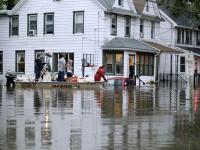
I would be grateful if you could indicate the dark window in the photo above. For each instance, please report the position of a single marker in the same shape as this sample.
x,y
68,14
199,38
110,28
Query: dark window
x,y
20,61
127,26
152,29
78,26
120,2
145,64
187,41
190,42
141,26
113,63
49,23
32,25
182,64
14,30
114,24
198,37
1,62
179,36
183,37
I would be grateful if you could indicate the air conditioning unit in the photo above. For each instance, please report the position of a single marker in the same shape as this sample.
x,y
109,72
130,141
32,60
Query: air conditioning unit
x,y
32,32
141,35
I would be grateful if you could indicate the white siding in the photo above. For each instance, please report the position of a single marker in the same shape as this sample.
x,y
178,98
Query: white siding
x,y
63,39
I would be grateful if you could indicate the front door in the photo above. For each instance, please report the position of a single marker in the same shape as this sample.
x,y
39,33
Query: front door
x,y
131,65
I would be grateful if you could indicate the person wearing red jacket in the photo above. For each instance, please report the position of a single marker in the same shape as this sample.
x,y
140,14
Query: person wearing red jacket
x,y
100,73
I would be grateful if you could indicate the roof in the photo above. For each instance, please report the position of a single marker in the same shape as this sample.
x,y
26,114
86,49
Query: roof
x,y
119,43
139,5
107,3
163,48
194,50
182,20
122,11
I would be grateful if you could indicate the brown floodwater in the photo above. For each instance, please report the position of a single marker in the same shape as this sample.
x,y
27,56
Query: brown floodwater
x,y
159,117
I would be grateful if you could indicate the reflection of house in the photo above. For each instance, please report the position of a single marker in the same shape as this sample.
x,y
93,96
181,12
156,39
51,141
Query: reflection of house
x,y
183,33
70,27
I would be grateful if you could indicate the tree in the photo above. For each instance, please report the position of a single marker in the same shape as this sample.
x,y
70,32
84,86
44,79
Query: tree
x,y
7,4
179,7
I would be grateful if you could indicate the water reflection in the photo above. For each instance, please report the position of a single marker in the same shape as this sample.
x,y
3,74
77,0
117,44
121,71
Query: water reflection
x,y
161,117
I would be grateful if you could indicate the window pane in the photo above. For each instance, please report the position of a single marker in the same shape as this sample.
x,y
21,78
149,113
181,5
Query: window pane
x,y
79,18
49,23
20,62
79,22
109,60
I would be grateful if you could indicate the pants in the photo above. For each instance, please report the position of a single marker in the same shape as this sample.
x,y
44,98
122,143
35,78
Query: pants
x,y
69,74
61,75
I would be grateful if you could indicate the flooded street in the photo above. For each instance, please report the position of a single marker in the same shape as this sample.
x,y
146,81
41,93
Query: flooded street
x,y
141,118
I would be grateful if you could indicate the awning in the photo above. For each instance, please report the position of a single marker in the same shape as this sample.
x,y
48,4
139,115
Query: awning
x,y
164,48
119,43
194,50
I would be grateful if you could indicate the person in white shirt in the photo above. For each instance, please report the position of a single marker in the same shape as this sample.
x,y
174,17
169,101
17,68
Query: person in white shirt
x,y
61,68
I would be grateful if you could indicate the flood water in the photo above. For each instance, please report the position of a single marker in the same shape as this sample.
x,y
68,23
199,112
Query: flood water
x,y
141,118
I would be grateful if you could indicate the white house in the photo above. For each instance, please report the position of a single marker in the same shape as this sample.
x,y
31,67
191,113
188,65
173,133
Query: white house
x,y
90,32
184,34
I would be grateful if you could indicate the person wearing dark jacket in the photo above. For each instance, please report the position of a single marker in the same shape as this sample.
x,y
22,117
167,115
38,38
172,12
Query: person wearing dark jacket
x,y
38,67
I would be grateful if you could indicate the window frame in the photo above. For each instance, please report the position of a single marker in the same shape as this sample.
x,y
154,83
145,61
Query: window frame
x,y
29,24
12,26
145,63
48,24
141,26
127,26
113,17
75,31
56,56
121,3
182,70
152,29
113,64
198,38
17,67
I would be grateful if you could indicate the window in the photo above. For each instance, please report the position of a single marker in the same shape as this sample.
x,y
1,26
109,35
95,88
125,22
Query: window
x,y
183,37
152,29
49,23
145,64
182,64
179,36
14,25
57,56
198,37
127,26
113,24
78,26
121,2
147,6
20,61
187,37
113,63
1,62
32,25
141,28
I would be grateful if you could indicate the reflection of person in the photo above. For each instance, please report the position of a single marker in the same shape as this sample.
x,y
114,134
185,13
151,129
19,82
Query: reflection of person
x,y
69,68
100,73
61,68
38,66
